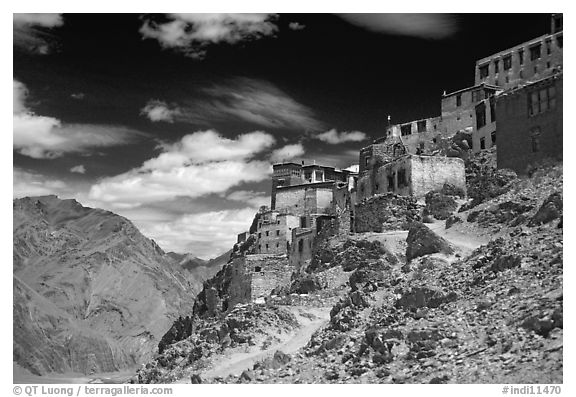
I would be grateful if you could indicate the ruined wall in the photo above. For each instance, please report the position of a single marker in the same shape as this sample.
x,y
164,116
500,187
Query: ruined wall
x,y
432,172
394,177
523,139
268,272
423,133
523,68
301,250
386,212
332,278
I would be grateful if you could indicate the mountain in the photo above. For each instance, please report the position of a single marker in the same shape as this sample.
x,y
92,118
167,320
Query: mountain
x,y
199,270
91,293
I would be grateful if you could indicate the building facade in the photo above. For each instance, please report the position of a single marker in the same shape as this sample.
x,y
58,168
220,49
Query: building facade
x,y
530,124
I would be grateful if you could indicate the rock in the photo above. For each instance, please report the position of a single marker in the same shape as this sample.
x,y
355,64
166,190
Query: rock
x,y
305,285
419,297
550,209
439,205
195,379
506,262
247,375
331,375
452,220
422,241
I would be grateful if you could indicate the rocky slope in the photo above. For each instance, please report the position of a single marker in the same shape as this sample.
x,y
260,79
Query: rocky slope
x,y
91,293
472,296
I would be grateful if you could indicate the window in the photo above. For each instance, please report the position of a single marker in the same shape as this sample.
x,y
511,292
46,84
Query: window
x,y
277,245
535,141
319,175
376,187
507,62
266,247
535,52
521,74
483,71
521,56
547,65
559,41
406,129
421,126
390,183
259,235
277,232
496,62
480,115
493,137
300,245
492,110
482,143
459,100
267,233
402,178
542,100
548,46
367,161
476,95
303,221
258,269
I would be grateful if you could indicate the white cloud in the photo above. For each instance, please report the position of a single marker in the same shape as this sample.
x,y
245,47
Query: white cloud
x,y
25,183
47,137
205,235
287,152
31,32
197,165
252,100
257,199
192,33
78,95
334,137
79,169
296,26
428,26
157,110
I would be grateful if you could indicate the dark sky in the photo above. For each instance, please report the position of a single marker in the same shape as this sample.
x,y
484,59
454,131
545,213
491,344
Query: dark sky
x,y
83,83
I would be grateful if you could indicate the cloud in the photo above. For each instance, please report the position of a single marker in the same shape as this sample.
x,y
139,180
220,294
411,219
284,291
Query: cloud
x,y
44,137
287,152
334,137
79,169
199,164
256,199
205,235
191,34
255,101
156,110
27,183
427,26
78,95
296,26
31,32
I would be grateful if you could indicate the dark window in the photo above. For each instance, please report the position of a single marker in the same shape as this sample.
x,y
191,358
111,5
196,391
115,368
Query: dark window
x,y
476,95
483,71
402,178
492,110
459,100
482,143
496,62
303,222
507,79
267,233
548,46
547,65
277,232
542,100
367,161
258,269
421,126
300,245
521,74
493,137
319,175
277,245
480,115
507,62
376,187
559,41
406,129
535,52
390,183
521,56
535,143
266,247
259,235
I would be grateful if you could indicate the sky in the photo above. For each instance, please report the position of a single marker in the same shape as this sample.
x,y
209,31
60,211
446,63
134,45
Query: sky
x,y
174,120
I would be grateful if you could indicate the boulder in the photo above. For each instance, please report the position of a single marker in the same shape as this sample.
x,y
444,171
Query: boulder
x,y
550,209
423,241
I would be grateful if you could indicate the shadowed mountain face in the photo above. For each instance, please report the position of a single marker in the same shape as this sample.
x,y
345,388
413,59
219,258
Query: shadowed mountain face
x,y
91,293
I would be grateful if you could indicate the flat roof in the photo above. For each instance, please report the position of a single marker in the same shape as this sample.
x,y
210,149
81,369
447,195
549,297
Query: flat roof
x,y
485,85
516,47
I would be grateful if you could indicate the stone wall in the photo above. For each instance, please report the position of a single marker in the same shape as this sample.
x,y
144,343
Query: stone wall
x,y
268,272
301,251
524,139
305,199
274,234
386,212
432,172
332,278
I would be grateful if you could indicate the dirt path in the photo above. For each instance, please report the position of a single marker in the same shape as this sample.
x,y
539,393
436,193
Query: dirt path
x,y
310,319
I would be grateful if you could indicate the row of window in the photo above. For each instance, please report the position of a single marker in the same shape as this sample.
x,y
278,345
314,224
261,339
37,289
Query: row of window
x,y
535,54
483,140
542,100
268,233
406,129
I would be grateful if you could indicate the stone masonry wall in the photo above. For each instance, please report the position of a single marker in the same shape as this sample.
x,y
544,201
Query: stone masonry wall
x,y
268,272
386,212
432,172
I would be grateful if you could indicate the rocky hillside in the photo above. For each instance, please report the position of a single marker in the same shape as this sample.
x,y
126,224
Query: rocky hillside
x,y
473,295
91,293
